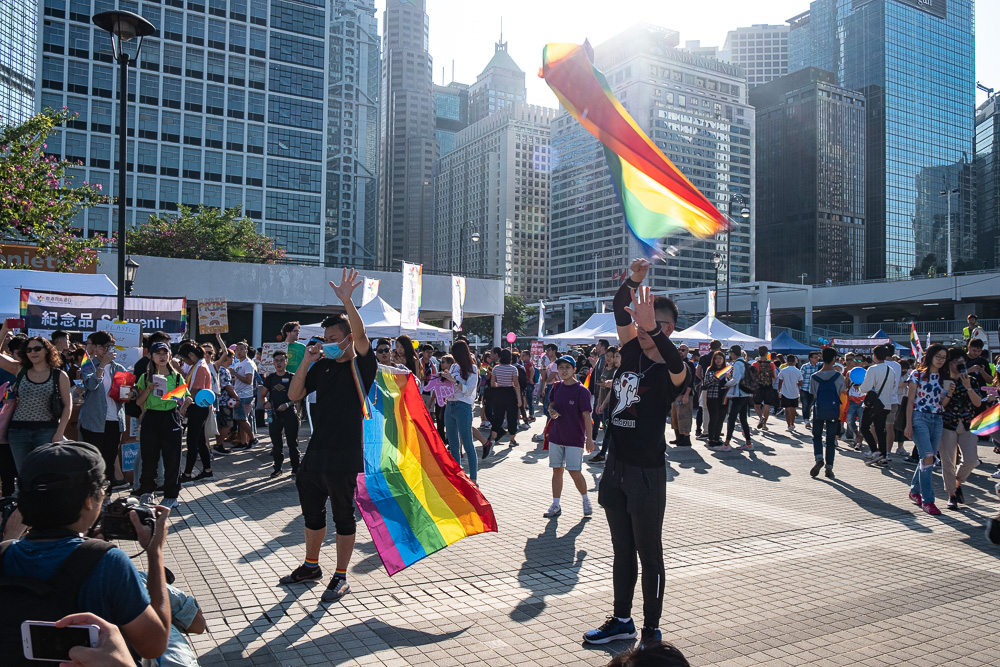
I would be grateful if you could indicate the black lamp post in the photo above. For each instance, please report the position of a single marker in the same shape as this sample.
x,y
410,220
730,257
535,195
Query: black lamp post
x,y
123,27
737,200
461,245
131,268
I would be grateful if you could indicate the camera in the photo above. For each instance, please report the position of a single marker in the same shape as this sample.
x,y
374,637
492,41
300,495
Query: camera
x,y
115,523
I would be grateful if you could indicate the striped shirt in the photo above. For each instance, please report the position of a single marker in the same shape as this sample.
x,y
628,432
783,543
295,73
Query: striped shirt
x,y
505,375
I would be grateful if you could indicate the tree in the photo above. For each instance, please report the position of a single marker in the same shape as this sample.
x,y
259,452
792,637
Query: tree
x,y
37,200
515,313
208,233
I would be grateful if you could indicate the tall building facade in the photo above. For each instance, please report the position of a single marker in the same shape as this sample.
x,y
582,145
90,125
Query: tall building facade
x,y
695,110
18,58
761,50
268,106
987,165
810,186
451,114
409,147
914,60
496,184
500,84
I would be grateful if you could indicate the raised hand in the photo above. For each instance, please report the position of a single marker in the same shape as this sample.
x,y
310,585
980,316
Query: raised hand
x,y
639,267
347,285
641,309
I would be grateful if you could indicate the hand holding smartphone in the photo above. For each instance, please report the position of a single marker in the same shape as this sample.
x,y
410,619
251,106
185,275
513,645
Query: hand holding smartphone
x,y
42,640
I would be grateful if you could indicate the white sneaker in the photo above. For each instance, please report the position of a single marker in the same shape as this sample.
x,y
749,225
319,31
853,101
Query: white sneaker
x,y
553,511
996,475
588,509
538,438
147,499
170,503
873,459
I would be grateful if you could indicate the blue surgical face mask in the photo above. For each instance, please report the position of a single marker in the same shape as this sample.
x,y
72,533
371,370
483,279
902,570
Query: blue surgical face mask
x,y
332,350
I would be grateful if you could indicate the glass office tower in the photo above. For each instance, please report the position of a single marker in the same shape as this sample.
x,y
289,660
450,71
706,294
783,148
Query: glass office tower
x,y
18,55
988,183
272,106
914,60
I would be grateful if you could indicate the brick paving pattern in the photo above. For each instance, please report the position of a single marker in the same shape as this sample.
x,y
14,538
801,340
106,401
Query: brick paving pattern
x,y
765,566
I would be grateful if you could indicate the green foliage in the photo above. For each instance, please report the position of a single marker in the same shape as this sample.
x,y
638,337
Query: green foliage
x,y
515,314
208,233
37,201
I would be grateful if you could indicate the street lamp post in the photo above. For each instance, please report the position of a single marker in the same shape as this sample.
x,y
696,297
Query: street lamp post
x,y
948,193
738,200
123,27
717,261
461,245
131,268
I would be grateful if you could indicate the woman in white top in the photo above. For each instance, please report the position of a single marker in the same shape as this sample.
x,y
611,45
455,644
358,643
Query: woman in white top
x,y
458,409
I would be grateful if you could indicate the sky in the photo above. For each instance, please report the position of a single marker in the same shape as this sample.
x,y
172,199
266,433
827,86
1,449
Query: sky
x,y
466,30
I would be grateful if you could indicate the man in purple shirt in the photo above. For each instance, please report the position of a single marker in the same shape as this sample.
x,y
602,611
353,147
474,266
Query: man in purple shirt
x,y
571,429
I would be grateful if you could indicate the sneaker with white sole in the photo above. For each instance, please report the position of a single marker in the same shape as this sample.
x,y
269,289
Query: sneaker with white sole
x,y
337,588
553,511
588,509
147,499
611,630
996,475
874,459
538,438
170,503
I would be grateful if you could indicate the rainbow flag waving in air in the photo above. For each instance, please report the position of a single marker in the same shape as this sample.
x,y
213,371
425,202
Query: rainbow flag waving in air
x,y
722,372
986,423
414,497
656,197
916,349
177,393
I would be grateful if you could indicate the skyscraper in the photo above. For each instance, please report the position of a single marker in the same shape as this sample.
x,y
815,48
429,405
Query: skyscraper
x,y
695,110
914,60
810,187
451,112
496,184
200,96
408,144
18,55
987,164
761,50
501,83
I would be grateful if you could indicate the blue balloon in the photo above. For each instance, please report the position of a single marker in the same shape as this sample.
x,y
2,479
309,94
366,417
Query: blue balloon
x,y
204,398
857,375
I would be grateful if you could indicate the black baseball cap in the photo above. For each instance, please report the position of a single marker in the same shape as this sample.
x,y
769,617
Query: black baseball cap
x,y
61,464
157,346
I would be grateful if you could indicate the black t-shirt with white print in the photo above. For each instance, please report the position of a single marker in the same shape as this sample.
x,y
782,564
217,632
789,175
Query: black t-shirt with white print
x,y
642,394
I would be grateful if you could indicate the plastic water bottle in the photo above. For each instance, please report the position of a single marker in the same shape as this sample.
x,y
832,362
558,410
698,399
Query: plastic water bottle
x,y
269,414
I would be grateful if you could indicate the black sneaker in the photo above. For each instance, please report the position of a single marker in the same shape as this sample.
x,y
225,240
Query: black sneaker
x,y
816,468
829,473
960,495
650,636
276,473
993,531
952,503
597,458
204,474
219,449
337,589
302,573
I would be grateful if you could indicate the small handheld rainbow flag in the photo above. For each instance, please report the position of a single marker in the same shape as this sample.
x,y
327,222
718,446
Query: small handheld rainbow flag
x,y
721,373
657,199
177,393
586,383
413,496
986,423
87,364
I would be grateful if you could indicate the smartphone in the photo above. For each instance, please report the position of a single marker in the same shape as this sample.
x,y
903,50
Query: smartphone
x,y
962,369
44,641
314,340
14,323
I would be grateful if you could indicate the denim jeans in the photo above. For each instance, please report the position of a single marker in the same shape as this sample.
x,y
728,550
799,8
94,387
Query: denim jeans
x,y
529,395
458,424
807,404
24,440
854,411
831,440
927,427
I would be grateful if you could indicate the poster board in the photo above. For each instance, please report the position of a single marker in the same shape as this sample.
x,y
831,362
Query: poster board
x,y
213,316
128,340
265,364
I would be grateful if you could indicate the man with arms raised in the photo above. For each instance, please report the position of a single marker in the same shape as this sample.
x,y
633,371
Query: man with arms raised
x,y
633,488
341,371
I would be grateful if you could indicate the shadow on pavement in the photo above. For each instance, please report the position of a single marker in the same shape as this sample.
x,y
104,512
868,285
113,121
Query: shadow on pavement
x,y
875,505
551,567
753,465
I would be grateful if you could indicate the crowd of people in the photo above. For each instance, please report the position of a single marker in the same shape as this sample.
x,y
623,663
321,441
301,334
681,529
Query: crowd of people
x,y
612,402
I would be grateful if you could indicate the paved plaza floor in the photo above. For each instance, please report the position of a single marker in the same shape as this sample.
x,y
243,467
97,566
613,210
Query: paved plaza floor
x,y
765,566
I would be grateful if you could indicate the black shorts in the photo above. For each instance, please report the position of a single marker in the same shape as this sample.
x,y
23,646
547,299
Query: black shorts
x,y
789,402
316,487
766,396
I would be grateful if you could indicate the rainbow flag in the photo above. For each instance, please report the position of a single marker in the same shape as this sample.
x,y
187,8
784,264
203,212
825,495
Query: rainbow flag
x,y
414,497
87,364
657,199
177,393
722,373
986,423
915,348
586,383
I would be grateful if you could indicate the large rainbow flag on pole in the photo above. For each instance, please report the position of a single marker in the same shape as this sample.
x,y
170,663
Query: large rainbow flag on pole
x,y
656,197
414,497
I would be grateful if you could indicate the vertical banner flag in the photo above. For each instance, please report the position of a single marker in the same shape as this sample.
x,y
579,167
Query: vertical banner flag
x,y
370,291
541,319
457,301
711,307
916,349
414,498
409,312
767,321
928,340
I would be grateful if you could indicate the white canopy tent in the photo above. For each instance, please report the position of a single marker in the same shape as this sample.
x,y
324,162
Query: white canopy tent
x,y
13,280
706,330
599,325
380,320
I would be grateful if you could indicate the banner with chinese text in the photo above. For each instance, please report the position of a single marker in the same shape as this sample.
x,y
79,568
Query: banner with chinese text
x,y
45,312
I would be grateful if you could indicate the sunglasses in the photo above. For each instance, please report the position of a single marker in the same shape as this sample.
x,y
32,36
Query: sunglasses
x,y
382,350
34,349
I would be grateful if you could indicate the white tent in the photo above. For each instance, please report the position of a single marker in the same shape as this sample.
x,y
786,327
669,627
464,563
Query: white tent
x,y
707,331
13,280
380,320
599,325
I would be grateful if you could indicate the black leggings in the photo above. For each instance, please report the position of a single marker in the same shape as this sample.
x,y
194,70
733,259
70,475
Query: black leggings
x,y
716,415
738,408
8,471
107,442
287,423
196,441
160,435
504,405
871,416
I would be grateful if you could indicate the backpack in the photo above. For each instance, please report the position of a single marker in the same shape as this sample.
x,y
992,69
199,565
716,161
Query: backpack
x,y
522,376
827,402
26,598
765,374
750,382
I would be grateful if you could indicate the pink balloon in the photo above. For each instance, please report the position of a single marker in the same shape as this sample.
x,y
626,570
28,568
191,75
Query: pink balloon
x,y
511,337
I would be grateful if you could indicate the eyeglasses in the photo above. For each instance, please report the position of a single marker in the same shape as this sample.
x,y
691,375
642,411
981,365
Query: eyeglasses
x,y
34,349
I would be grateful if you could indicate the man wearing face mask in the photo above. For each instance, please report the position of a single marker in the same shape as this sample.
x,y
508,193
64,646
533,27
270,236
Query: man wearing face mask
x,y
340,371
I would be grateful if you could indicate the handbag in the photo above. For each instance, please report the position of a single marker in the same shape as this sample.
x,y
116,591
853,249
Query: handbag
x,y
211,425
7,409
872,400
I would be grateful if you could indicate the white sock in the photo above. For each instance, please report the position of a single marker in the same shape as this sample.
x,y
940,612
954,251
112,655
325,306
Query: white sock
x,y
624,620
555,501
586,497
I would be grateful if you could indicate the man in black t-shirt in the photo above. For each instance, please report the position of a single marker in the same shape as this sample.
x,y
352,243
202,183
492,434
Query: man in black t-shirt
x,y
283,417
340,371
633,489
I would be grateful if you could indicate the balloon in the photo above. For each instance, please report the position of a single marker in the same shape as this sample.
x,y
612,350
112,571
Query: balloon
x,y
857,375
511,337
204,398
